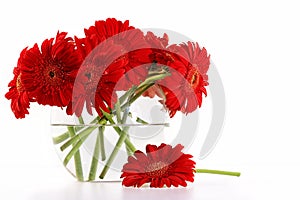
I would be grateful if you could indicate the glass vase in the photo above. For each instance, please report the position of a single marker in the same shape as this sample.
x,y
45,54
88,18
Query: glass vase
x,y
93,149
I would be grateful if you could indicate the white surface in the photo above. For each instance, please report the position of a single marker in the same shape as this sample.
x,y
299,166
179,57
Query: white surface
x,y
255,46
257,182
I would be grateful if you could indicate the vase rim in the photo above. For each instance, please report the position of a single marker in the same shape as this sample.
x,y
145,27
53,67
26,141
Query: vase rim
x,y
111,125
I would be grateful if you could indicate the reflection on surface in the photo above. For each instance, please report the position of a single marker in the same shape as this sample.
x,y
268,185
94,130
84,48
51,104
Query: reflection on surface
x,y
56,184
112,190
216,188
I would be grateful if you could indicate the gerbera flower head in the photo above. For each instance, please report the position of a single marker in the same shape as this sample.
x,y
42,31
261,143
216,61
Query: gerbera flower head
x,y
104,29
96,79
161,165
134,47
101,31
197,57
48,73
158,46
185,89
159,56
20,100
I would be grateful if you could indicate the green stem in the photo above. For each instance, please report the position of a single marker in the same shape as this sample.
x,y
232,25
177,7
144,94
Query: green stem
x,y
83,133
129,152
74,150
61,138
118,111
149,82
78,128
119,131
127,142
123,98
113,154
80,119
101,138
140,92
65,136
95,159
76,138
76,141
136,96
117,147
77,158
209,171
154,77
139,120
119,120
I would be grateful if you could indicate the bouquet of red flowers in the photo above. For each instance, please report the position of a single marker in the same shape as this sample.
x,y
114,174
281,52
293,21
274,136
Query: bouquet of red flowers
x,y
102,75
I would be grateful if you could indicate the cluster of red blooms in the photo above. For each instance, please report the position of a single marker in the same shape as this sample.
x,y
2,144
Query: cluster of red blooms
x,y
77,72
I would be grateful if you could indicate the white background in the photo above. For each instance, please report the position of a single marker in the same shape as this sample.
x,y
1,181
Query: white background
x,y
255,46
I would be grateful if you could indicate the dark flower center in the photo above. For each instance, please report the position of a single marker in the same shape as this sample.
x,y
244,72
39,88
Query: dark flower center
x,y
91,80
88,75
157,169
51,74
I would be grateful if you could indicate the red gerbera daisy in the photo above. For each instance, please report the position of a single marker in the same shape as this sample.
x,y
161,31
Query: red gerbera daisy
x,y
158,46
48,74
96,79
184,93
129,38
17,94
162,165
101,31
108,28
160,56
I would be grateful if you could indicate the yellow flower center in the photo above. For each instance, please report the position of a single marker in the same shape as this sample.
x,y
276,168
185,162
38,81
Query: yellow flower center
x,y
193,78
157,169
19,84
